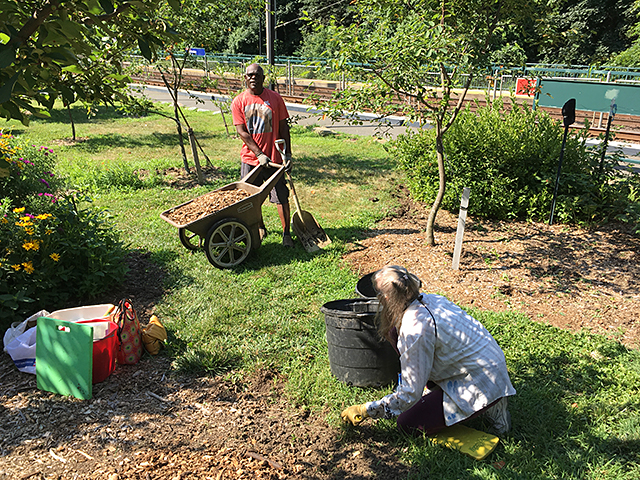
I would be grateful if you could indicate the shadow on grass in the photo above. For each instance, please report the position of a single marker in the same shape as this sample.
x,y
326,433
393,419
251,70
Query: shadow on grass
x,y
151,140
198,361
340,169
79,113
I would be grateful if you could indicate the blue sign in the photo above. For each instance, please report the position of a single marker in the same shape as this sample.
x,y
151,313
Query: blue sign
x,y
197,51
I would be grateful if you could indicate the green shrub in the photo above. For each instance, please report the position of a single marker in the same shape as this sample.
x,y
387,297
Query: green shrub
x,y
509,160
51,251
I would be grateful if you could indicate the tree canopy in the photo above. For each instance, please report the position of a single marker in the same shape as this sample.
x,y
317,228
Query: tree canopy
x,y
43,44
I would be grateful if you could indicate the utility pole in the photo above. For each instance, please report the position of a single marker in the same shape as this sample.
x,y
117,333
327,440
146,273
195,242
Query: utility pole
x,y
271,31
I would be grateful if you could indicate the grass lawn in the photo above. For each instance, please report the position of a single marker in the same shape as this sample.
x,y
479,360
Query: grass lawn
x,y
577,411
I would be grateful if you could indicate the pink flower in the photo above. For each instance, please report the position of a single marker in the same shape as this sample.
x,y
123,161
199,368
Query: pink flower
x,y
53,198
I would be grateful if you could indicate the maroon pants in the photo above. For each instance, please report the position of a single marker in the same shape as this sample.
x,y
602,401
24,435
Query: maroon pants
x,y
427,416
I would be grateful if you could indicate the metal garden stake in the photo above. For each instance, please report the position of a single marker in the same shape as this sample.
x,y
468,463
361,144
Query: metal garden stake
x,y
568,117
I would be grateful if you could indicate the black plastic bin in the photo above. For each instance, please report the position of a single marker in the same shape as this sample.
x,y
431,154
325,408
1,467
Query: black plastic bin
x,y
356,355
364,287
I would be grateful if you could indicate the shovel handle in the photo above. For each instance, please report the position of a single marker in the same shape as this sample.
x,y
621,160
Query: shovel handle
x,y
281,146
296,202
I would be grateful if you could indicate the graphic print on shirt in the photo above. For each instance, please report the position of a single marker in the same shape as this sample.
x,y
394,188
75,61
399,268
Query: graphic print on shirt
x,y
259,118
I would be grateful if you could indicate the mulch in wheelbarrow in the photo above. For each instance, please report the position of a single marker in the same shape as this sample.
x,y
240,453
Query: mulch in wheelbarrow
x,y
206,205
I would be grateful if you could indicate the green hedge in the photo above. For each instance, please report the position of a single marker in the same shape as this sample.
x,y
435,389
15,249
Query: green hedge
x,y
508,157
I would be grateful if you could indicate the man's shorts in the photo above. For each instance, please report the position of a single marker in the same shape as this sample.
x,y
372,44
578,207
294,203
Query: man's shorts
x,y
279,193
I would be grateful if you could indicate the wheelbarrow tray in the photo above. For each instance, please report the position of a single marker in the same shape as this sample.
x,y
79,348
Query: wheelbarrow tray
x,y
247,209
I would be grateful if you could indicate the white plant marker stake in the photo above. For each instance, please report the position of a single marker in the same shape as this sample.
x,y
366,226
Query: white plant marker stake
x,y
464,204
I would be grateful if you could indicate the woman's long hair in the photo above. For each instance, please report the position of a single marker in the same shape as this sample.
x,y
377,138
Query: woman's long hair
x,y
396,289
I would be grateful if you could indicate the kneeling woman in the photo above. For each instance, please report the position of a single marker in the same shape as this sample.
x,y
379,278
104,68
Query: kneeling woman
x,y
452,369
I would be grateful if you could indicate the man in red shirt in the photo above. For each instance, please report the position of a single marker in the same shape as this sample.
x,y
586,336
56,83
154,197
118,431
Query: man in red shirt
x,y
260,117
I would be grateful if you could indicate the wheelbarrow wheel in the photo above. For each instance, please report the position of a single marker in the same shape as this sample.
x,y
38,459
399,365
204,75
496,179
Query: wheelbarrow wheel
x,y
228,243
190,240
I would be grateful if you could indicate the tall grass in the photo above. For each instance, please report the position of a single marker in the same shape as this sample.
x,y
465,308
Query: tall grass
x,y
576,411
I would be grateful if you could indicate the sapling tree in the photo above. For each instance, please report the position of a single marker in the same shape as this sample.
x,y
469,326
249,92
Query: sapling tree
x,y
418,57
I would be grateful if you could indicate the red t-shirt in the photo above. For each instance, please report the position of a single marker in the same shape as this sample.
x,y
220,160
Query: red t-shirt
x,y
261,114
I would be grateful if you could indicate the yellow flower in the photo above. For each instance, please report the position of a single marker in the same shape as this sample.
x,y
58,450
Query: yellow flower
x,y
34,245
28,267
18,210
4,220
55,257
48,232
15,267
44,216
30,231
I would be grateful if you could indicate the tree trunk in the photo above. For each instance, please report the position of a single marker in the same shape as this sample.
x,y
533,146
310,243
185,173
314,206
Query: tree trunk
x,y
431,219
73,124
180,137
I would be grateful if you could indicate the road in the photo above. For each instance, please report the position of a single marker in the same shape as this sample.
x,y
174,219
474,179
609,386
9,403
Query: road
x,y
306,115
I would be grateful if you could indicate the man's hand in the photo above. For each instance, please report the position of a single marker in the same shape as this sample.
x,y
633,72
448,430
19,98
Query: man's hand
x,y
356,414
263,160
287,163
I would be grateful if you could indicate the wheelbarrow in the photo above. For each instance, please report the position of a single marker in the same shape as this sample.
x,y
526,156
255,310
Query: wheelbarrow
x,y
229,234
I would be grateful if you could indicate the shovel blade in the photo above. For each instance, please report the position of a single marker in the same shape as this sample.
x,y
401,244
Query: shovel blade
x,y
309,232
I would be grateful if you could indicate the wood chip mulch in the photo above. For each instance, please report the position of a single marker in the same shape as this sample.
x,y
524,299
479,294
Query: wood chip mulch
x,y
206,205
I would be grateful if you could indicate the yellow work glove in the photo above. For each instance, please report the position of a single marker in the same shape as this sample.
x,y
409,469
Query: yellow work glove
x,y
356,414
154,335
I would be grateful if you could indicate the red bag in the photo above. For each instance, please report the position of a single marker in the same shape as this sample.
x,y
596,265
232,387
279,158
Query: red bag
x,y
129,333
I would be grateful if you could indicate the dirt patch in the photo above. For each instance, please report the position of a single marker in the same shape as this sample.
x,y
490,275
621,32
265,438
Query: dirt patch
x,y
179,178
67,142
565,276
144,422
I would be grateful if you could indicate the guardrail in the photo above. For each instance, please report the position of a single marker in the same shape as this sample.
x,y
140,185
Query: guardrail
x,y
298,81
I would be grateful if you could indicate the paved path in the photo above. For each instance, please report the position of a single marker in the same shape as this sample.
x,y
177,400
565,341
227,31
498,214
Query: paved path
x,y
307,115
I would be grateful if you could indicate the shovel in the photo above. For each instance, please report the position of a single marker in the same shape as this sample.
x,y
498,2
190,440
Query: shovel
x,y
306,228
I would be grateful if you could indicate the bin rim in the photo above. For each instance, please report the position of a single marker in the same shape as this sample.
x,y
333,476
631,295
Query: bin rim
x,y
349,301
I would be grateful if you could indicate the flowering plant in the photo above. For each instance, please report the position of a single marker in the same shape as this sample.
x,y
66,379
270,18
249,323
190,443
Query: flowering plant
x,y
27,171
28,255
51,251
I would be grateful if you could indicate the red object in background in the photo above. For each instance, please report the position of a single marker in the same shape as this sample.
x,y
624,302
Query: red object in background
x,y
526,86
105,349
